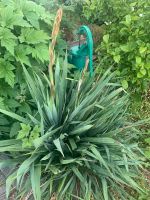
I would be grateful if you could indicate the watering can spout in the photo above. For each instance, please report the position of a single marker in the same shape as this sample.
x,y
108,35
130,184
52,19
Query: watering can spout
x,y
81,52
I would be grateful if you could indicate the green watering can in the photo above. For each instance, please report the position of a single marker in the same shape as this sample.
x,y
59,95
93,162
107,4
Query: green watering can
x,y
82,51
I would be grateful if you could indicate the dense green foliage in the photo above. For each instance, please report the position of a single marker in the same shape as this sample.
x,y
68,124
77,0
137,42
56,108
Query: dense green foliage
x,y
126,44
78,143
102,11
24,36
25,29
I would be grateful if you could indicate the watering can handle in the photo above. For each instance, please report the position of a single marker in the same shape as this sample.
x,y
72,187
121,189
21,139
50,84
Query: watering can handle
x,y
85,29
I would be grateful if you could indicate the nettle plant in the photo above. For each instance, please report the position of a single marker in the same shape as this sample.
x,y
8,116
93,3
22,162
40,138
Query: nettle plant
x,y
77,145
24,39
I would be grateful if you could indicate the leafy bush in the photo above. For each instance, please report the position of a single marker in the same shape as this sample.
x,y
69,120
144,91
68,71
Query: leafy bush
x,y
126,43
77,144
24,39
102,11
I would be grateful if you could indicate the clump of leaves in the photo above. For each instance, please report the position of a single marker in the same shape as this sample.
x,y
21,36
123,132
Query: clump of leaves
x,y
27,136
83,149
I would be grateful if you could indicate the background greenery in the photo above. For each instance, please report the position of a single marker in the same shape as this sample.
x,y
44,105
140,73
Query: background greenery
x,y
126,43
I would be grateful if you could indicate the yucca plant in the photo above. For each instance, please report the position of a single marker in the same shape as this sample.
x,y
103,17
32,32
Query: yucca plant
x,y
77,145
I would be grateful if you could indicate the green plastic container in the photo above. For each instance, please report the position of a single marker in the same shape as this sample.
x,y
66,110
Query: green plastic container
x,y
80,52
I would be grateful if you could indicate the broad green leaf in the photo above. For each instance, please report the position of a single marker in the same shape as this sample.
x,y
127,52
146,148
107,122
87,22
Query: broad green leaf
x,y
32,36
19,21
139,75
138,60
40,51
33,18
8,39
14,129
12,103
147,140
11,18
35,133
124,84
147,65
7,16
3,119
2,105
25,108
133,4
117,58
142,50
128,19
21,55
147,153
6,72
24,132
143,71
26,143
124,48
106,38
10,78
